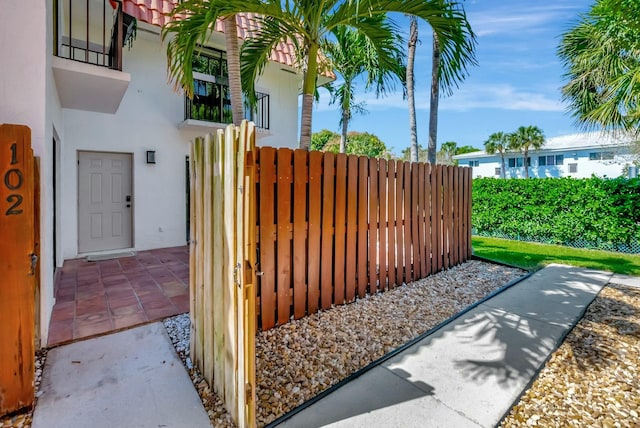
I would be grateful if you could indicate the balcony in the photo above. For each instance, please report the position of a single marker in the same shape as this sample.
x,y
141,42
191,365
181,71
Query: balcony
x,y
87,66
211,106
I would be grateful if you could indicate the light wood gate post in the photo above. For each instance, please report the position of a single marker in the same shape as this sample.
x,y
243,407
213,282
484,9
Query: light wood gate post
x,y
222,266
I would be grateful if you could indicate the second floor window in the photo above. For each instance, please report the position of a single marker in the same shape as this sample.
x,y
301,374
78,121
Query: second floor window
x,y
211,94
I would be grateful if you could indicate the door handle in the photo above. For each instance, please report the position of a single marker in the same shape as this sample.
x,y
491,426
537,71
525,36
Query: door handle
x,y
128,198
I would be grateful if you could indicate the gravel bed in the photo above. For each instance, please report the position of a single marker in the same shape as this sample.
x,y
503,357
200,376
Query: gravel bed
x,y
298,360
593,379
23,419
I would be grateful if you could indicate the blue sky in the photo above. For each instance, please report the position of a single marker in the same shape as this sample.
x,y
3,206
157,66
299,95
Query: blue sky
x,y
517,81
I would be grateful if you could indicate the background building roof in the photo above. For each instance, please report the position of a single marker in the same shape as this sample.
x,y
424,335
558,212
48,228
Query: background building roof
x,y
581,141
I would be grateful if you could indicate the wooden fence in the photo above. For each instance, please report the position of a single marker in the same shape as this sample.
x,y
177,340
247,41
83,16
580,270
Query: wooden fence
x,y
336,227
331,228
223,254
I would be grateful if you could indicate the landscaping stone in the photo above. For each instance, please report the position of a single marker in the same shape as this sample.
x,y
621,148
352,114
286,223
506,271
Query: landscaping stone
x,y
593,379
300,359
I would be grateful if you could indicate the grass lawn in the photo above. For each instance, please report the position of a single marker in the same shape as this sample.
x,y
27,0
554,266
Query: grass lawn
x,y
533,256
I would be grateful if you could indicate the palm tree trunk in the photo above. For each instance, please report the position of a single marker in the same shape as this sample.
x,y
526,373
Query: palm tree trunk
x,y
345,128
233,65
308,89
413,41
524,162
433,105
503,173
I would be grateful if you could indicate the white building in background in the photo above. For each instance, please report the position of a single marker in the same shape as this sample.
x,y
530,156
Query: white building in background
x,y
105,122
576,155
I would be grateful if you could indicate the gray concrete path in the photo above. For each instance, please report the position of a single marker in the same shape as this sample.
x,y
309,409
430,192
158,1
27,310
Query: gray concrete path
x,y
128,379
469,372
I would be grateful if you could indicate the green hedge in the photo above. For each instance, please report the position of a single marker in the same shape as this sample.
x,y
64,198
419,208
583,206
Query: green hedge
x,y
601,213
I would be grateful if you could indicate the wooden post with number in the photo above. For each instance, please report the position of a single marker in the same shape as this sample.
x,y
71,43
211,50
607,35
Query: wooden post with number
x,y
18,265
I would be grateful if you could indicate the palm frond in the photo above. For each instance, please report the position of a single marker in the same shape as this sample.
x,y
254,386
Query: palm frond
x,y
447,19
601,57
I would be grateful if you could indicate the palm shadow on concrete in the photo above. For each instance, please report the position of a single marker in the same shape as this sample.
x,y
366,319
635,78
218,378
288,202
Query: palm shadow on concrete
x,y
363,395
510,348
524,326
527,336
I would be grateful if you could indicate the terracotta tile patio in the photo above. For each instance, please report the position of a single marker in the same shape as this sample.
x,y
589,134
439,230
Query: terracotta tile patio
x,y
94,298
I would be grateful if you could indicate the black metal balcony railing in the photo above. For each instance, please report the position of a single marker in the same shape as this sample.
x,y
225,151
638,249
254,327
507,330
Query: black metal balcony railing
x,y
260,115
92,31
212,103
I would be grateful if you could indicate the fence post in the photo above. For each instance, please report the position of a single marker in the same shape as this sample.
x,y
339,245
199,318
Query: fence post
x,y
223,260
18,268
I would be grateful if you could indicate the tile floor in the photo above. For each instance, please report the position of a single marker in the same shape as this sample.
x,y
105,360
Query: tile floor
x,y
93,298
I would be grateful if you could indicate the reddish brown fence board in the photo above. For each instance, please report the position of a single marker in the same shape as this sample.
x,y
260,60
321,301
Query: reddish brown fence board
x,y
315,216
284,234
326,262
382,221
408,255
400,258
301,171
267,238
373,225
363,225
340,229
415,222
391,222
335,227
352,228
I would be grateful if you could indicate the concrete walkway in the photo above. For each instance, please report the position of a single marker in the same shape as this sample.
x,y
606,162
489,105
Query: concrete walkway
x,y
129,379
469,372
466,374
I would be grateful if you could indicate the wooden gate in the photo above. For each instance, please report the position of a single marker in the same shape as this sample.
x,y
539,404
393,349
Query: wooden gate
x,y
223,258
18,268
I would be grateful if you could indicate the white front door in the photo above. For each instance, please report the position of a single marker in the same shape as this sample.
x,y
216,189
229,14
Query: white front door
x,y
104,201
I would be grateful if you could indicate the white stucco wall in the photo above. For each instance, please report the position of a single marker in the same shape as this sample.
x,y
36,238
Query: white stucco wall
x,y
29,97
148,119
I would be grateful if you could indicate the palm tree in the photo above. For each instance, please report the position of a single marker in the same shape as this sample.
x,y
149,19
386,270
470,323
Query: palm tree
x,y
351,54
524,139
447,151
306,24
601,56
498,142
433,104
411,55
233,67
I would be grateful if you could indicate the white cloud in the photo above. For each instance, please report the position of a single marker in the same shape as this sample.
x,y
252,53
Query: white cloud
x,y
489,96
500,96
504,21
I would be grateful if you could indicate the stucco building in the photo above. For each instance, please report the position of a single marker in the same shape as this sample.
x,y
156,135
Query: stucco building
x,y
576,155
111,133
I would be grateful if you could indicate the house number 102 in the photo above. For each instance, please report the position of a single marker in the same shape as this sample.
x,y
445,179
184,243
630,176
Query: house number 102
x,y
13,180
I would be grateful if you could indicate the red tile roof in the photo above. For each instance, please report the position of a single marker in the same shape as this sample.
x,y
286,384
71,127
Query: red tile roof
x,y
155,12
